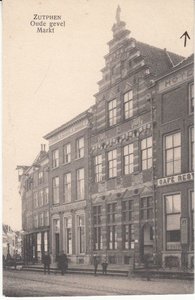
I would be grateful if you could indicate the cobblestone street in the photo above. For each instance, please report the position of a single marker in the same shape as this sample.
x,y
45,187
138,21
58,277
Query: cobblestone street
x,y
21,283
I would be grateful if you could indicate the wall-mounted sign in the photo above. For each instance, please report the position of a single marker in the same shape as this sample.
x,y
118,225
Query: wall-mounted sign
x,y
184,230
175,179
175,79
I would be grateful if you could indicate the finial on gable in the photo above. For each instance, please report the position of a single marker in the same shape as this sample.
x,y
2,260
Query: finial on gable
x,y
118,12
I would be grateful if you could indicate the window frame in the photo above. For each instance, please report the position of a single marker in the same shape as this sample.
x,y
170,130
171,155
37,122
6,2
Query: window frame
x,y
148,158
55,160
165,152
66,154
112,170
191,148
80,185
128,103
98,168
56,189
80,150
191,98
112,112
128,156
67,187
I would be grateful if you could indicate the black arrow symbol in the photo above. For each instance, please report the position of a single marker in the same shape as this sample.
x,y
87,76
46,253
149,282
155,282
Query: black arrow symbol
x,y
186,35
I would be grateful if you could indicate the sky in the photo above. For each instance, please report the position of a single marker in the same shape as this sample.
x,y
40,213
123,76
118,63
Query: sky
x,y
48,78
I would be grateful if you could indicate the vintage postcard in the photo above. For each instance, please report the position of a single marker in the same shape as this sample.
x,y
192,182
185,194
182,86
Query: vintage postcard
x,y
98,148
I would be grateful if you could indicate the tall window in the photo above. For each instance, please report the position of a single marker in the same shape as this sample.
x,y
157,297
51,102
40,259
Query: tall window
x,y
40,177
80,148
67,153
36,221
112,163
68,235
192,217
55,158
172,154
39,245
67,187
41,196
191,98
41,219
46,195
36,200
146,208
81,234
45,239
128,237
112,112
127,210
146,153
55,189
127,227
128,159
173,214
111,227
46,218
98,168
128,104
191,154
97,236
80,184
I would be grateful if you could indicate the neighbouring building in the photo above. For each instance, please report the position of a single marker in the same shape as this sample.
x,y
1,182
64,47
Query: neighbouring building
x,y
68,188
175,165
35,207
12,243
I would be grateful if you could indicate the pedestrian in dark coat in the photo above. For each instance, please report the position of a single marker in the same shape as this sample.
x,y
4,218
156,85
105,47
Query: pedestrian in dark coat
x,y
46,262
95,263
63,262
104,265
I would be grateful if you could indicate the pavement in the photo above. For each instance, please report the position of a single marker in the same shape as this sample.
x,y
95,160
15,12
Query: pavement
x,y
21,283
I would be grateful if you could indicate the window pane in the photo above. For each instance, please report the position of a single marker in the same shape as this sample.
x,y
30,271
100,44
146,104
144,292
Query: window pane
x,y
173,222
169,204
169,141
177,139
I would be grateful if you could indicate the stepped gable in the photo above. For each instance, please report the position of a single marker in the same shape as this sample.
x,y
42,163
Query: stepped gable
x,y
159,60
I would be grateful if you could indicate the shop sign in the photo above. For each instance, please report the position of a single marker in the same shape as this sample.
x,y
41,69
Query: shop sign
x,y
176,79
175,179
184,230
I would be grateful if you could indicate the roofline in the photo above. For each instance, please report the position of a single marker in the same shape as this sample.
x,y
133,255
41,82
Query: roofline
x,y
68,124
173,71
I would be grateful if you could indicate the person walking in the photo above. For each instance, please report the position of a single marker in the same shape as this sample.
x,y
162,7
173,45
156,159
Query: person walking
x,y
104,265
46,262
63,262
95,263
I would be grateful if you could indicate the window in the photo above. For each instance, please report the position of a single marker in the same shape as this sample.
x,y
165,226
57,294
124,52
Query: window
x,y
80,148
46,218
146,153
40,177
39,246
36,204
80,184
112,112
68,235
191,154
67,187
128,104
112,163
46,195
55,158
173,154
67,153
45,239
36,221
81,234
55,189
146,208
192,217
191,98
111,228
98,168
128,159
97,236
41,220
128,237
127,210
41,198
173,214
